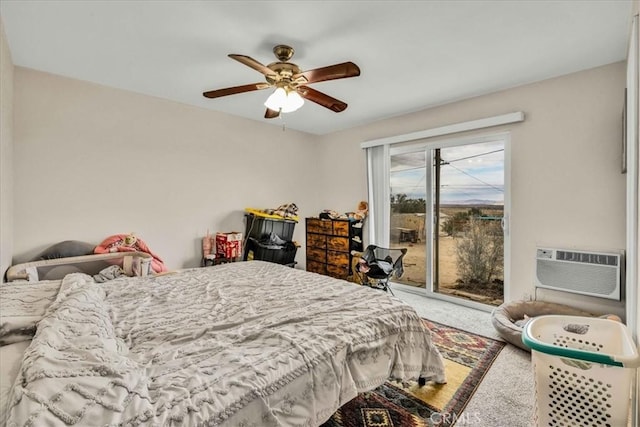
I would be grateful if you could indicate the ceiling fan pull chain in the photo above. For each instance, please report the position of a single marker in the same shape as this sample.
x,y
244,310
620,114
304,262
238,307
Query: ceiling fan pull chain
x,y
284,124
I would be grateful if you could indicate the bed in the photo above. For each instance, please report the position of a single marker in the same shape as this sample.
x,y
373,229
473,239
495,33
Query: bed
x,y
240,344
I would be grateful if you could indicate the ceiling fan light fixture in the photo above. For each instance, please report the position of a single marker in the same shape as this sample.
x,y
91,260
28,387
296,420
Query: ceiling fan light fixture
x,y
284,101
294,101
276,100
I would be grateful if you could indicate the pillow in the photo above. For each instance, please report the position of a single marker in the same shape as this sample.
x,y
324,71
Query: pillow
x,y
68,248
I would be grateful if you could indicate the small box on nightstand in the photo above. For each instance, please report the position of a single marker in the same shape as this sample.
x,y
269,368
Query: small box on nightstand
x,y
229,245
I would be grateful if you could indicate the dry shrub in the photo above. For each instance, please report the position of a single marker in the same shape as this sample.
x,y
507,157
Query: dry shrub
x,y
480,252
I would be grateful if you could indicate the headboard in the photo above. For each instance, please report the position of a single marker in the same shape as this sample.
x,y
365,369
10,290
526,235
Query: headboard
x,y
133,264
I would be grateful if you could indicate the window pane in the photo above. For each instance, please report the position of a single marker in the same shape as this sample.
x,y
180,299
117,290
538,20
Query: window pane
x,y
408,213
469,201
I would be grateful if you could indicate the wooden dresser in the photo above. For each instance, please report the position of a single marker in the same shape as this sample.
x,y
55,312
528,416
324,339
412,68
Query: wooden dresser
x,y
329,245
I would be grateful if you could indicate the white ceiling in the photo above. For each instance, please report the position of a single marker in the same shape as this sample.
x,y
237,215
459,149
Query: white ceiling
x,y
413,54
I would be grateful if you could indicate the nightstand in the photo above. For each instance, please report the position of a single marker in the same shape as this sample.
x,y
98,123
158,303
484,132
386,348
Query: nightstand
x,y
211,260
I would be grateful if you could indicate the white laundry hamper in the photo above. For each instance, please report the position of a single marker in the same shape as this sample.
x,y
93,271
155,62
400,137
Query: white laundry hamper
x,y
583,369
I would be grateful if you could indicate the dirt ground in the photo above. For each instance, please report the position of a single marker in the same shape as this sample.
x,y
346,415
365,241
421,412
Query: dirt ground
x,y
415,266
415,273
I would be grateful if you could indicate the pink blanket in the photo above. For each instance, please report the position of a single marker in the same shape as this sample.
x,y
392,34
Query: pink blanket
x,y
129,243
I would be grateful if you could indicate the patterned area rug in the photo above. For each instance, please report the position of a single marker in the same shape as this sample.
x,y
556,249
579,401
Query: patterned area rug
x,y
467,358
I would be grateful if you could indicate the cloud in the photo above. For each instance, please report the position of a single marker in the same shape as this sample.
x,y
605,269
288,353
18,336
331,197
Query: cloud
x,y
469,172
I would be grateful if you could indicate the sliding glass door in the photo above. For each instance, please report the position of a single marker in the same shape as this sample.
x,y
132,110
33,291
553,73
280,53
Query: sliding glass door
x,y
447,207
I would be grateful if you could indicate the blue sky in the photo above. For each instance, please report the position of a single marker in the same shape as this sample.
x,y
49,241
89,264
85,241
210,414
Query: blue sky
x,y
471,172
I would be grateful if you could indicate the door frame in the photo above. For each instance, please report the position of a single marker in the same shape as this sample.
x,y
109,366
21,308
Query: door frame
x,y
428,147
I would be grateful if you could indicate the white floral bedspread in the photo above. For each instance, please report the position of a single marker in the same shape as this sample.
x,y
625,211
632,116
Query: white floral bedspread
x,y
241,344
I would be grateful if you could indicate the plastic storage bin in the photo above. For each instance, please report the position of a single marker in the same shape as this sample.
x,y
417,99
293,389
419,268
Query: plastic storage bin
x,y
259,227
283,255
583,369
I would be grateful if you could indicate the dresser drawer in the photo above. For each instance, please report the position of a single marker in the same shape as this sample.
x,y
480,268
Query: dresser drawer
x,y
316,254
316,267
338,258
316,240
317,225
341,228
329,245
337,271
338,243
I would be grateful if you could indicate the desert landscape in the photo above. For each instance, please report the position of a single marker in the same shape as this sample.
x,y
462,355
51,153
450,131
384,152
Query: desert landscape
x,y
449,280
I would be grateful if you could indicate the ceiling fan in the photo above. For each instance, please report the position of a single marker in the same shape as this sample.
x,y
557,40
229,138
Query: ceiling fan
x,y
290,83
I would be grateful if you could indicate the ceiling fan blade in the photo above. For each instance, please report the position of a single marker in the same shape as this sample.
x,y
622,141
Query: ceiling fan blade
x,y
332,72
236,89
271,114
250,62
321,99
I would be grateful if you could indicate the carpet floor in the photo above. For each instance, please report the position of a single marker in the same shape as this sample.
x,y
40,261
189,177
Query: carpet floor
x,y
467,358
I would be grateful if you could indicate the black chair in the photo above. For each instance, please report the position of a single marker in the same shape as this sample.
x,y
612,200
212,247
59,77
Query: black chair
x,y
377,265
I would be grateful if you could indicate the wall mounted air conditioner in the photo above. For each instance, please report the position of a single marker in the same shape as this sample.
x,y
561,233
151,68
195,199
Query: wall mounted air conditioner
x,y
595,274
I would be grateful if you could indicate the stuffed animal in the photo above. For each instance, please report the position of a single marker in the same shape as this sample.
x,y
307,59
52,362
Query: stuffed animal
x,y
361,213
130,240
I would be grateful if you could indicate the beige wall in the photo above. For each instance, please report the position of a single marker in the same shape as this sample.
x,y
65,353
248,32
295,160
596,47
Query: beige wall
x,y
125,162
566,186
6,153
92,161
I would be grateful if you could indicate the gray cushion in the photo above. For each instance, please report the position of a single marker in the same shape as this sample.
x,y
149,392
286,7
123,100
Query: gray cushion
x,y
509,318
68,248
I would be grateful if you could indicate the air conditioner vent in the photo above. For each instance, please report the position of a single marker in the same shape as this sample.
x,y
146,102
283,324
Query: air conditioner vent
x,y
587,258
596,274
